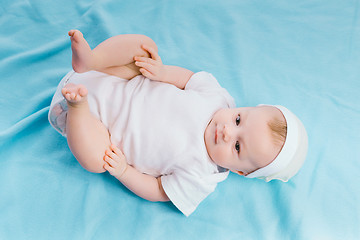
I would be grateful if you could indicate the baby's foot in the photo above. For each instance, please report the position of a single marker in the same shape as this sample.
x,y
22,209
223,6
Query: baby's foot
x,y
74,94
81,52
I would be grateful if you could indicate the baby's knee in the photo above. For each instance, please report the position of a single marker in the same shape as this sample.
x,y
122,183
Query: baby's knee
x,y
91,161
94,166
148,42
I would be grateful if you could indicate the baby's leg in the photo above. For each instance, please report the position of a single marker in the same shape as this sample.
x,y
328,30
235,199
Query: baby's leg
x,y
114,56
87,137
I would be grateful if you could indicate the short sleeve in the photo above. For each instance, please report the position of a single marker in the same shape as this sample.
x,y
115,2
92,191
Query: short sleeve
x,y
205,82
187,191
202,81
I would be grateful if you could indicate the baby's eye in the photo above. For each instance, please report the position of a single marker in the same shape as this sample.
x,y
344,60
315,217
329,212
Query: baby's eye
x,y
238,120
237,146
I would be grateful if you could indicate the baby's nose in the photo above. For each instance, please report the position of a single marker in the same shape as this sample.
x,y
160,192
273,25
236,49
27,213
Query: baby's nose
x,y
226,133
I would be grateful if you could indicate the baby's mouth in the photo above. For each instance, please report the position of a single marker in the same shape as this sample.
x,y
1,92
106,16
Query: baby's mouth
x,y
216,134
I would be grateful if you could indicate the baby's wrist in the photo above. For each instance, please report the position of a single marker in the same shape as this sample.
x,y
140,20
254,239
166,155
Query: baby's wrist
x,y
163,75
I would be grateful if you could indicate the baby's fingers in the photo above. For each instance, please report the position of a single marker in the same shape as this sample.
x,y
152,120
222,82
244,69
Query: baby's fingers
x,y
146,73
110,161
116,150
109,168
153,53
111,155
143,64
145,60
149,67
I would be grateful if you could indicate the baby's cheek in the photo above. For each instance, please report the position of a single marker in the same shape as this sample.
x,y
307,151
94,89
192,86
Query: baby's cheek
x,y
219,155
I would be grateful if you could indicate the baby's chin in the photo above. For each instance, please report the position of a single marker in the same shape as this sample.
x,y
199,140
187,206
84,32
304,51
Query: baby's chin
x,y
208,138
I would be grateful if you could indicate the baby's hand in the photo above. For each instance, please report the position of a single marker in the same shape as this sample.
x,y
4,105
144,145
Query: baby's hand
x,y
151,67
115,161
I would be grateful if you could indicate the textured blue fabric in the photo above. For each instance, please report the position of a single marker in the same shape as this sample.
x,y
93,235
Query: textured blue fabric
x,y
304,55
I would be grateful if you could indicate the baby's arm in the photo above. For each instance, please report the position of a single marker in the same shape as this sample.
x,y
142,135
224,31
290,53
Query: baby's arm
x,y
154,69
145,186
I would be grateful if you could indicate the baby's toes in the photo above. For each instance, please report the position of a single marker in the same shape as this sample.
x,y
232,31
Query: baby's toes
x,y
77,98
76,35
82,91
74,93
67,96
73,96
64,91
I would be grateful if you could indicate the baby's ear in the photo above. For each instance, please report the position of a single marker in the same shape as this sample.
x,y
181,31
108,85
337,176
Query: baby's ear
x,y
240,173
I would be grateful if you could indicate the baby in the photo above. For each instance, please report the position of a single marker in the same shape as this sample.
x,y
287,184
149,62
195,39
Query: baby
x,y
165,132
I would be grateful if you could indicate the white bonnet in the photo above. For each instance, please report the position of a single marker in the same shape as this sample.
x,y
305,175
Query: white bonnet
x,y
292,155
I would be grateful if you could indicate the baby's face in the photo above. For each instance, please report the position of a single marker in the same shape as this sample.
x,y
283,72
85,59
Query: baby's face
x,y
240,140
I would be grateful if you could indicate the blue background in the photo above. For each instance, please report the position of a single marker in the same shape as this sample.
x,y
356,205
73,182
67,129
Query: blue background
x,y
304,55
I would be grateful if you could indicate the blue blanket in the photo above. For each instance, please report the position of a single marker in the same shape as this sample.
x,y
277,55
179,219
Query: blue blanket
x,y
304,55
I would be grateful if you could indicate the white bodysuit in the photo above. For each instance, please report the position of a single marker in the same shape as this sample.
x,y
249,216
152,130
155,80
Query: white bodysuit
x,y
159,127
